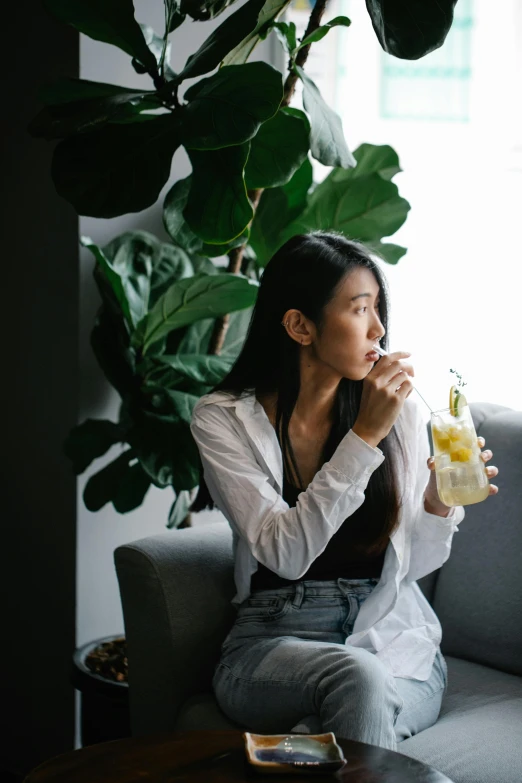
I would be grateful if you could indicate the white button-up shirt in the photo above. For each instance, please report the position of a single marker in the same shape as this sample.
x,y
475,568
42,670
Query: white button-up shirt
x,y
243,469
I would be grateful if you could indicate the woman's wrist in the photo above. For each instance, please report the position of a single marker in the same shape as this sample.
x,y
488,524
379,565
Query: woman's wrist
x,y
370,439
436,507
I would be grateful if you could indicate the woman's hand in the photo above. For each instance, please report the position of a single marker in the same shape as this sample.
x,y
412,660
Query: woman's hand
x,y
431,495
384,391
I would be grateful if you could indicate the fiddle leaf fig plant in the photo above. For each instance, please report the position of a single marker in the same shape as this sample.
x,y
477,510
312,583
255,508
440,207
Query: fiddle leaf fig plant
x,y
171,322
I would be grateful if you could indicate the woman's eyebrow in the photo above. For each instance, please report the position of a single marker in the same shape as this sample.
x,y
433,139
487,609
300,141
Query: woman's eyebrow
x,y
358,296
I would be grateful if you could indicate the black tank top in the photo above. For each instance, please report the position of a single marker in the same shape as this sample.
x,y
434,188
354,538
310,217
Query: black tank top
x,y
337,560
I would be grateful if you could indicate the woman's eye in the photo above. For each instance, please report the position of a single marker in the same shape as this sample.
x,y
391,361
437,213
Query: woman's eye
x,y
361,309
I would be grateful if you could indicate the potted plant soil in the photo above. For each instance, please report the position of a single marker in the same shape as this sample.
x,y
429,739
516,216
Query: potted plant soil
x,y
100,673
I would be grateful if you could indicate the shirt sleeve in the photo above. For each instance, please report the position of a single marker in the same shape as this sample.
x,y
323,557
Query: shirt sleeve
x,y
285,540
432,535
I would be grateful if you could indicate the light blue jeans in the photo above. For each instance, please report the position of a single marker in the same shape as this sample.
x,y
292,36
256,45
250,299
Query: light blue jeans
x,y
284,666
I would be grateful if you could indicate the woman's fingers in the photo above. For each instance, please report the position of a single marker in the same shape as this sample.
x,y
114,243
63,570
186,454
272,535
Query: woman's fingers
x,y
389,367
491,470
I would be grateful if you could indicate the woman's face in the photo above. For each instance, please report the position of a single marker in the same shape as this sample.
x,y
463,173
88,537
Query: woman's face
x,y
351,326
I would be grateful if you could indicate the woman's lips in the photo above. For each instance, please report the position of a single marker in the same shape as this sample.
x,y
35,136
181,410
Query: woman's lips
x,y
372,356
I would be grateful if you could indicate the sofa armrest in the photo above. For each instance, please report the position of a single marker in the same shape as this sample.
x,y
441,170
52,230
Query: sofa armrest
x,y
176,590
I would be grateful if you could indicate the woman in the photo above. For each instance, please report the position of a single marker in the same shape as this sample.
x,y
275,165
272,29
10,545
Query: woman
x,y
317,458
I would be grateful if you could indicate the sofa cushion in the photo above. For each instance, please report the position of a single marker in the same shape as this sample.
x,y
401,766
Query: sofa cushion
x,y
478,736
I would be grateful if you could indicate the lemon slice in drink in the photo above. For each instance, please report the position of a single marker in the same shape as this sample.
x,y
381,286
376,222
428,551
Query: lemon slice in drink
x,y
456,401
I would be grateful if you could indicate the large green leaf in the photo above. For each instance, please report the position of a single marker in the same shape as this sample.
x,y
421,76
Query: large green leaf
x,y
117,169
278,149
121,483
279,207
176,225
129,492
180,508
218,209
129,277
112,276
68,90
112,22
176,16
110,345
363,208
327,140
140,250
204,265
170,402
173,220
270,11
199,368
66,117
389,252
162,440
287,34
90,440
193,298
320,32
227,109
410,29
101,488
371,159
227,36
236,333
196,337
155,44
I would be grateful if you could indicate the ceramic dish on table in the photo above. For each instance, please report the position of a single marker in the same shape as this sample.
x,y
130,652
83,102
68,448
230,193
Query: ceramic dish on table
x,y
300,753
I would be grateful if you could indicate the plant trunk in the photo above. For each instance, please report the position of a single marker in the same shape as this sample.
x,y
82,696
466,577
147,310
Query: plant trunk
x,y
235,257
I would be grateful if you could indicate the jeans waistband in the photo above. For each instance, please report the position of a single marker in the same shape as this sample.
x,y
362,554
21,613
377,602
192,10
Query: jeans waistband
x,y
320,587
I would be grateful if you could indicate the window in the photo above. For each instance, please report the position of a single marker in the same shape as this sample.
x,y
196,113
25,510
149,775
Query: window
x,y
436,87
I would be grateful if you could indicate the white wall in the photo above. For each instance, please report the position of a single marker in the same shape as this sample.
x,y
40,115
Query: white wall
x,y
456,294
99,610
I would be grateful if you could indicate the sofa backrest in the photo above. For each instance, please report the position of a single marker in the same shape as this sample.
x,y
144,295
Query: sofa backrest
x,y
478,591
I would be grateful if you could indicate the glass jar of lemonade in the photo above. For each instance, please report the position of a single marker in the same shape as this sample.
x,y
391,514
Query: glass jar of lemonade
x,y
460,472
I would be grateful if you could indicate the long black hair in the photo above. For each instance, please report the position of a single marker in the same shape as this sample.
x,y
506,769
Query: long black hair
x,y
304,274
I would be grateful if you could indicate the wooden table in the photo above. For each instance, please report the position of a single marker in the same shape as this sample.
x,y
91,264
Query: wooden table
x,y
216,757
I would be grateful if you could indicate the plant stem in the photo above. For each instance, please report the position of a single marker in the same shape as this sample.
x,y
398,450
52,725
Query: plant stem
x,y
168,16
302,55
235,257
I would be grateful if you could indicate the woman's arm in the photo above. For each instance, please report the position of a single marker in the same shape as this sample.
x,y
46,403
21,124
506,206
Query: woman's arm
x,y
285,540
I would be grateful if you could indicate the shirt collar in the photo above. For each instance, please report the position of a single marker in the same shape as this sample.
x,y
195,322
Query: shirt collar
x,y
257,426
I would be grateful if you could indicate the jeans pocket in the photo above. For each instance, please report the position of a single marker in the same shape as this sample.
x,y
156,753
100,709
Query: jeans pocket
x,y
263,610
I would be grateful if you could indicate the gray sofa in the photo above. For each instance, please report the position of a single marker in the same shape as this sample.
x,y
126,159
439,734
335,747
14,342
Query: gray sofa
x,y
176,590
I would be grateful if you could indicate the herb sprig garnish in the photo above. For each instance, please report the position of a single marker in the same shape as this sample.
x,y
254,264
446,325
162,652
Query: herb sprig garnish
x,y
458,387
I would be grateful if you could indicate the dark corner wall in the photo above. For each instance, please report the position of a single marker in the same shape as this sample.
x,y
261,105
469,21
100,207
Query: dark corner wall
x,y
39,335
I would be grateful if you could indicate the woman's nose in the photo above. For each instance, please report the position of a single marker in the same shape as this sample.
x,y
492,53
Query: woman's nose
x,y
378,331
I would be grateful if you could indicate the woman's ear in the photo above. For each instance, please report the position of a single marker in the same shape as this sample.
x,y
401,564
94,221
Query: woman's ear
x,y
298,327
